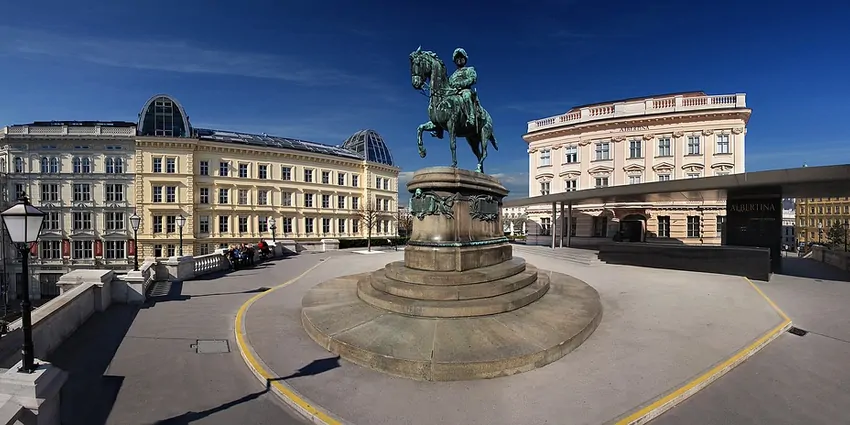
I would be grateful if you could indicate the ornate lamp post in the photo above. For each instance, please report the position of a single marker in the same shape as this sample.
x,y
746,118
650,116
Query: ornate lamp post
x,y
135,222
181,221
820,232
23,222
272,227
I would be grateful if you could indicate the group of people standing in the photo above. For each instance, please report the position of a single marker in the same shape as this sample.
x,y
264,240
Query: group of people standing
x,y
245,254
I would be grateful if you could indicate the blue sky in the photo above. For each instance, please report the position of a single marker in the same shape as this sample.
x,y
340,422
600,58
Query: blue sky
x,y
322,70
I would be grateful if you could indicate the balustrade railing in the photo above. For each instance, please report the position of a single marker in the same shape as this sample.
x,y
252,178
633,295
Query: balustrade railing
x,y
640,107
210,263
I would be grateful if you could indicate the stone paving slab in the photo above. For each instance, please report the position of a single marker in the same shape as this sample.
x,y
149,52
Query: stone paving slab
x,y
795,380
140,366
660,329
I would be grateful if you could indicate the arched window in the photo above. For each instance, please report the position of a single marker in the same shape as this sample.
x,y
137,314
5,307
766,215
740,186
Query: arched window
x,y
114,165
86,165
54,165
19,165
45,165
78,165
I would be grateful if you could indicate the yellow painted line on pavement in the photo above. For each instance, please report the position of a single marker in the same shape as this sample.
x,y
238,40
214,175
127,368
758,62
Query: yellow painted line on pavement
x,y
287,393
667,402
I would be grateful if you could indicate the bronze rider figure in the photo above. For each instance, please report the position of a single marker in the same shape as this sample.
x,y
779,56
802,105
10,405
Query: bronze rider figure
x,y
462,80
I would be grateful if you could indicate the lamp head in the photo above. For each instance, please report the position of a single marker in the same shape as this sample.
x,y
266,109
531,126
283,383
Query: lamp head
x,y
135,222
23,221
271,222
181,221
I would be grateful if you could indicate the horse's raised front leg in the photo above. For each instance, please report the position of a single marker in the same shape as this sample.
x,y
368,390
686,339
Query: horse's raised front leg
x,y
428,126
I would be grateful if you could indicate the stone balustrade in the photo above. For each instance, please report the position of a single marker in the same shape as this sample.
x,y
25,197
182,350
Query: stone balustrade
x,y
211,263
640,107
833,257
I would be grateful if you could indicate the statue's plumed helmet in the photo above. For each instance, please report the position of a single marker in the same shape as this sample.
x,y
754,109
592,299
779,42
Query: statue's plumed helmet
x,y
460,52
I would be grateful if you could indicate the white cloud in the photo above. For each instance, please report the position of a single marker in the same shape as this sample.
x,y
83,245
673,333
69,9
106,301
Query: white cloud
x,y
172,56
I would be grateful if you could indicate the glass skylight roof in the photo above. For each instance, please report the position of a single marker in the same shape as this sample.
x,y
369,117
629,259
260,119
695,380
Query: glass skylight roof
x,y
274,142
370,144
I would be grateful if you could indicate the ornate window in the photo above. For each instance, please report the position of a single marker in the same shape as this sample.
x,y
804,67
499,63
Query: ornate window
x,y
114,165
82,165
49,165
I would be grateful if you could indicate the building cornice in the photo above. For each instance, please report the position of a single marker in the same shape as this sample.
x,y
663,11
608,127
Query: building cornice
x,y
641,121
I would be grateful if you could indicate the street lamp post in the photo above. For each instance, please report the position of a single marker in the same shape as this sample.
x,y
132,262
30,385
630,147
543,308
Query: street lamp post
x,y
820,232
181,221
135,221
272,227
23,222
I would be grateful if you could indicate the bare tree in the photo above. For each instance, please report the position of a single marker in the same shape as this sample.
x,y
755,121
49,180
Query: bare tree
x,y
369,217
405,222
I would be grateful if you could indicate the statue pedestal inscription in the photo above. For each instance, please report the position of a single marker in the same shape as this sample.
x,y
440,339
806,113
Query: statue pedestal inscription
x,y
459,306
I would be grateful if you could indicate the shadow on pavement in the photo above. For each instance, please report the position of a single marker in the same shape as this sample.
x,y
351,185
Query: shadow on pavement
x,y
175,293
314,368
811,269
88,396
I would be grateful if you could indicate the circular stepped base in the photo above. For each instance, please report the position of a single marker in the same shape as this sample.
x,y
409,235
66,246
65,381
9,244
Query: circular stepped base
x,y
469,291
531,287
451,349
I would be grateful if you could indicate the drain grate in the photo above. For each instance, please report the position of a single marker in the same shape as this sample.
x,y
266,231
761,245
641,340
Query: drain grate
x,y
211,346
797,331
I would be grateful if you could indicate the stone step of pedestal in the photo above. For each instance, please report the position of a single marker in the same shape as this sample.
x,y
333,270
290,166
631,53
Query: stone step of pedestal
x,y
451,349
382,283
453,308
398,271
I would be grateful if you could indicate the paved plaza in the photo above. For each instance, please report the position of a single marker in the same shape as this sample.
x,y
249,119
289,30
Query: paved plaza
x,y
132,366
660,330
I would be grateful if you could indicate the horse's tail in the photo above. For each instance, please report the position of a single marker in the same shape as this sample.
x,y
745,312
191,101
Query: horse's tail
x,y
492,140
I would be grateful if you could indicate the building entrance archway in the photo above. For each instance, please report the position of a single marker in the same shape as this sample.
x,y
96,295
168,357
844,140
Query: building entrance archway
x,y
633,228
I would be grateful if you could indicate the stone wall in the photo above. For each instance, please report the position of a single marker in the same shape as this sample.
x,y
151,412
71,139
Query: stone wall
x,y
834,258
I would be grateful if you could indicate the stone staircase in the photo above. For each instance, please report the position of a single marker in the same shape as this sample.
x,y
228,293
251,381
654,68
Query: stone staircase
x,y
585,257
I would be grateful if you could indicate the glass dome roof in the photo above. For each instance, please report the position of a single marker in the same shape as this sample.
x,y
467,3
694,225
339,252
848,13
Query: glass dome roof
x,y
371,145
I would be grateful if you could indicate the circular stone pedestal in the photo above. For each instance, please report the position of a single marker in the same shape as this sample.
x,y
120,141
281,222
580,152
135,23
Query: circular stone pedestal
x,y
451,349
459,306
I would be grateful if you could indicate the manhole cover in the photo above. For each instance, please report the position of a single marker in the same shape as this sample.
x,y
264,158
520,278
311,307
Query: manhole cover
x,y
212,346
797,331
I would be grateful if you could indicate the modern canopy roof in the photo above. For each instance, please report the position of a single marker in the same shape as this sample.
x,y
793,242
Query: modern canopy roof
x,y
805,182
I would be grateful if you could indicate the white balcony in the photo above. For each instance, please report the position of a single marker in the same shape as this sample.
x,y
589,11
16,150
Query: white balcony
x,y
637,108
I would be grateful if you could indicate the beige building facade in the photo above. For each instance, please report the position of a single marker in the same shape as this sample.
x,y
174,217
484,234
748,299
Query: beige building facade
x,y
89,177
633,141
